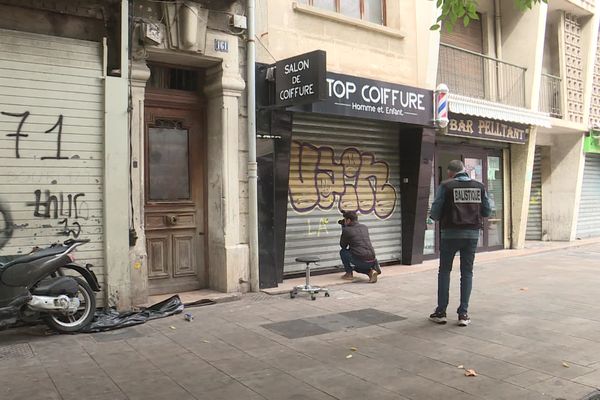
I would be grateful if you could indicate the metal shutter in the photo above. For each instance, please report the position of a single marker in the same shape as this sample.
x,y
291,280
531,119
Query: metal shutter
x,y
355,160
53,189
534,219
588,223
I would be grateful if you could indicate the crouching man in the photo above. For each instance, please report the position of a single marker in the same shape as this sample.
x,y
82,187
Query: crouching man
x,y
357,252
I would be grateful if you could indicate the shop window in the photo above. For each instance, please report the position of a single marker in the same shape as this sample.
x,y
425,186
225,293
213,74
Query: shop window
x,y
495,183
429,245
367,10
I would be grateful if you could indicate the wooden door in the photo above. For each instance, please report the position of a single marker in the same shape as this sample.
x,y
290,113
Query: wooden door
x,y
175,198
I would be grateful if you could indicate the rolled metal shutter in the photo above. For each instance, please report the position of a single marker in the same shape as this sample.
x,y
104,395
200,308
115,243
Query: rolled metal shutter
x,y
534,218
333,160
588,222
51,143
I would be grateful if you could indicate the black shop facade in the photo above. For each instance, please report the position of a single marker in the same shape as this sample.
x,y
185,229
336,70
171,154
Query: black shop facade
x,y
484,146
353,143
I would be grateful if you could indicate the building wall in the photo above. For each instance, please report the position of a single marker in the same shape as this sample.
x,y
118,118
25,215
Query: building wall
x,y
94,142
402,51
517,25
227,148
563,158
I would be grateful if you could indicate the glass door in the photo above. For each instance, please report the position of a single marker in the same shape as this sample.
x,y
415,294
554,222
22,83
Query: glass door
x,y
495,190
474,167
483,165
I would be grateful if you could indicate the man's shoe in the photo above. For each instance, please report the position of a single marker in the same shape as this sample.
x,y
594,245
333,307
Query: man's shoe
x,y
373,276
463,320
438,317
348,276
377,267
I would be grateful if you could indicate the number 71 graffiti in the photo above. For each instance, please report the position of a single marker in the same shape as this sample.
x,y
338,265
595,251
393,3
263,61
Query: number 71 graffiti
x,y
18,134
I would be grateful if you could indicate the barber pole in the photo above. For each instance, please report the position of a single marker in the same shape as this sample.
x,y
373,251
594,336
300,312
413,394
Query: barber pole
x,y
441,105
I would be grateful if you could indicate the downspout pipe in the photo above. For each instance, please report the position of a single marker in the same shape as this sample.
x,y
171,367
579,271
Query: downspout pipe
x,y
498,29
252,165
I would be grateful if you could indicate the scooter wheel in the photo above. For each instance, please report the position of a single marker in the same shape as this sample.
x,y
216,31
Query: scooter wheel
x,y
83,317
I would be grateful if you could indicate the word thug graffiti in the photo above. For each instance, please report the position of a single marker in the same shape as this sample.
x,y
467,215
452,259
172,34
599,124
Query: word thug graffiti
x,y
354,181
61,206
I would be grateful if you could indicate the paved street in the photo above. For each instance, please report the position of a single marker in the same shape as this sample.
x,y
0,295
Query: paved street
x,y
535,335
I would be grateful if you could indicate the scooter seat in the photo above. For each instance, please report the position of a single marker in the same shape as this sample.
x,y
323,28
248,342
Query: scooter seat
x,y
36,255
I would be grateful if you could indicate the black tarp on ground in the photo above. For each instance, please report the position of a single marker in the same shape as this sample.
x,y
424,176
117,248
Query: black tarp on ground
x,y
109,319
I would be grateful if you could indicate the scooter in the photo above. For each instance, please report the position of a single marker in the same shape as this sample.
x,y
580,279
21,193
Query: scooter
x,y
37,286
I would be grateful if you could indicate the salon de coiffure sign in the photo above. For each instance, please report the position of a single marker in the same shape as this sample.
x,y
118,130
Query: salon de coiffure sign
x,y
303,83
300,79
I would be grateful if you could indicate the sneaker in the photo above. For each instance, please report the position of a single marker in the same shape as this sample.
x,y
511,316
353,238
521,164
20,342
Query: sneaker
x,y
463,320
438,317
348,276
373,276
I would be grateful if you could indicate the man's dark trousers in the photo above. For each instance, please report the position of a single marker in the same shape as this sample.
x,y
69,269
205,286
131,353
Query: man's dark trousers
x,y
448,249
360,266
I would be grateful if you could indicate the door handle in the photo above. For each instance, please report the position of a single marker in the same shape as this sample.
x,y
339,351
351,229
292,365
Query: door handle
x,y
171,219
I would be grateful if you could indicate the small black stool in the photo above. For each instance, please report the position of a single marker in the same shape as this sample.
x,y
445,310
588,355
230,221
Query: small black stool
x,y
307,288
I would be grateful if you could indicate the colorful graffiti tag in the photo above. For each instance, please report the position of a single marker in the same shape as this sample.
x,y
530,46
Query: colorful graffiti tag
x,y
354,181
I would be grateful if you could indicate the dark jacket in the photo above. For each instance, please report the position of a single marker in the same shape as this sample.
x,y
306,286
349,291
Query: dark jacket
x,y
464,218
356,236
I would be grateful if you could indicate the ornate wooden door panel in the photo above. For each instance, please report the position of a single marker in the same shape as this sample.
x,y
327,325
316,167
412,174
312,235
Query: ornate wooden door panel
x,y
174,199
159,251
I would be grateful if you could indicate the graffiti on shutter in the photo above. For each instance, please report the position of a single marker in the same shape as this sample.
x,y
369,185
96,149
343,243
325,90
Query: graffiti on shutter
x,y
354,180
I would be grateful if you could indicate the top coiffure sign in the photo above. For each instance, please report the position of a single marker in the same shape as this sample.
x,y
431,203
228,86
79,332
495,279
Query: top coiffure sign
x,y
368,98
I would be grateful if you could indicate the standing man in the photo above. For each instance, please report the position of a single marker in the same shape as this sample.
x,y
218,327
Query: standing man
x,y
460,206
357,249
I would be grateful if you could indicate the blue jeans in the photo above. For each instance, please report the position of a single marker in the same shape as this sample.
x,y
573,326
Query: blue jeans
x,y
360,266
448,249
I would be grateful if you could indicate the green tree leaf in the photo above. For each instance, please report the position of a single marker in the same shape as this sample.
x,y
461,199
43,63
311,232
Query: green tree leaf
x,y
453,10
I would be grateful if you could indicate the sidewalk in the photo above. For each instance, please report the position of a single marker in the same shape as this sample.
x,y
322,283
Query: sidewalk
x,y
535,335
531,248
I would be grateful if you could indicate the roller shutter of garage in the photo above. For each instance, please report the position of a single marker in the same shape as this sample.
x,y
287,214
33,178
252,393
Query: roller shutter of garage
x,y
51,144
588,222
339,164
534,219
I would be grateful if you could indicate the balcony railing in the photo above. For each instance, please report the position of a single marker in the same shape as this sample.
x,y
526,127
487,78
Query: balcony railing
x,y
476,75
551,95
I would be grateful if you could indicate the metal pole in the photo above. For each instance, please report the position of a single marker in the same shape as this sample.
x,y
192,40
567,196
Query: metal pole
x,y
252,166
125,39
